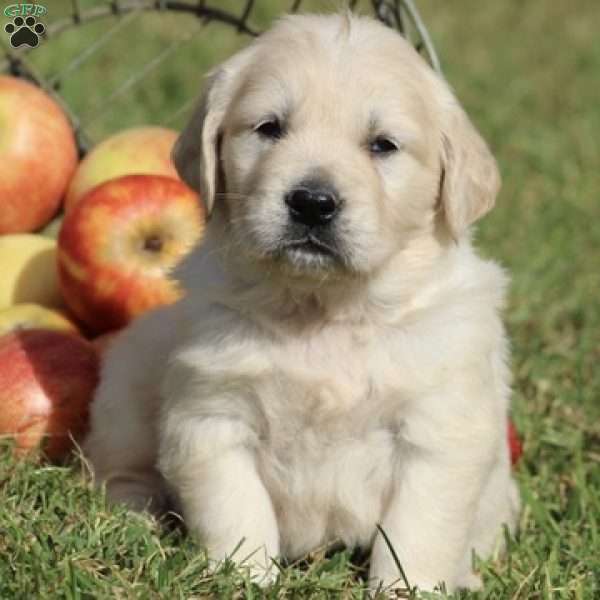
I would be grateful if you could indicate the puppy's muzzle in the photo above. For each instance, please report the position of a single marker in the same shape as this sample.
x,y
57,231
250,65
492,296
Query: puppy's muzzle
x,y
312,203
310,238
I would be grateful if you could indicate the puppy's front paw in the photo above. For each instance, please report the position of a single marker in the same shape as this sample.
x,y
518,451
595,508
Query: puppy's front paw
x,y
398,588
395,591
386,578
260,572
470,581
263,577
261,568
388,584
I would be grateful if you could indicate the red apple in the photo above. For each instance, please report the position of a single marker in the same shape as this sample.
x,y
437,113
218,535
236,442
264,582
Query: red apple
x,y
38,156
142,150
514,443
47,379
119,245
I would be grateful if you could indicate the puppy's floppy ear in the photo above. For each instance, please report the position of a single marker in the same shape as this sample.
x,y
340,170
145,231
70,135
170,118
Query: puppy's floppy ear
x,y
195,153
470,178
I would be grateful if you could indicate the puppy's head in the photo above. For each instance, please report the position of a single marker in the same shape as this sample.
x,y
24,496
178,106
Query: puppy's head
x,y
328,146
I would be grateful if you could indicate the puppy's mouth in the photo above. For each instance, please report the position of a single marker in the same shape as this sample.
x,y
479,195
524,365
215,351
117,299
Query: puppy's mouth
x,y
310,252
310,245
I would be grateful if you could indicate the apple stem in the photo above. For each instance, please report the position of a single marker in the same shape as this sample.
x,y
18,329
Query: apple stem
x,y
153,243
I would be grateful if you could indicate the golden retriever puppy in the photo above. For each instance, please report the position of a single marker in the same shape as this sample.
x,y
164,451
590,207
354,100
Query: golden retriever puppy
x,y
339,360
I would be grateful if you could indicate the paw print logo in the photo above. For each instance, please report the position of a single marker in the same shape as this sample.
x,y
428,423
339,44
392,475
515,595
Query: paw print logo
x,y
24,32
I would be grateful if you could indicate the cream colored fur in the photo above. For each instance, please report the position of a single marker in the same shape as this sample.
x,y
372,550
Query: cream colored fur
x,y
293,401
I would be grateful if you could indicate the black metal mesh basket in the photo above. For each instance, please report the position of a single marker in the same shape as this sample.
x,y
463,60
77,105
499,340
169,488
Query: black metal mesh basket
x,y
102,61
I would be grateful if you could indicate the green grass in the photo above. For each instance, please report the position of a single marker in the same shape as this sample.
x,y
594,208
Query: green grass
x,y
528,74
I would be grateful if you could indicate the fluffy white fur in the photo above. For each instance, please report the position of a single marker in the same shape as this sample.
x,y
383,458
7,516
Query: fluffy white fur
x,y
290,399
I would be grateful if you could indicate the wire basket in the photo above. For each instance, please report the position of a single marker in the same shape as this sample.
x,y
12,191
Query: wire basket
x,y
107,64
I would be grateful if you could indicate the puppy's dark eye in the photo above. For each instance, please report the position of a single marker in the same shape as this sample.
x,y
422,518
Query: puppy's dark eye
x,y
382,145
270,129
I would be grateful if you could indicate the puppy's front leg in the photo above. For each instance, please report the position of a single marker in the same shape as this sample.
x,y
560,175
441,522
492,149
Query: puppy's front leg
x,y
437,488
211,467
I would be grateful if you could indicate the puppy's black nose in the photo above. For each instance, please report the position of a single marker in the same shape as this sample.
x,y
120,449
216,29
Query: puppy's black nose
x,y
312,204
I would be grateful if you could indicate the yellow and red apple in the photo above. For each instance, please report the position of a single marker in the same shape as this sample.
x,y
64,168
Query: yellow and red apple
x,y
28,270
119,245
141,150
34,316
38,156
47,381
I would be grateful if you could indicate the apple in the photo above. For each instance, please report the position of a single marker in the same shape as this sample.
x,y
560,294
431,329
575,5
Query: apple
x,y
28,270
38,156
141,150
52,229
119,245
514,443
47,380
34,316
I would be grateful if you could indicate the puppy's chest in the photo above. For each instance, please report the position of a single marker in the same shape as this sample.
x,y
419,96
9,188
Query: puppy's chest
x,y
326,393
331,441
329,388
